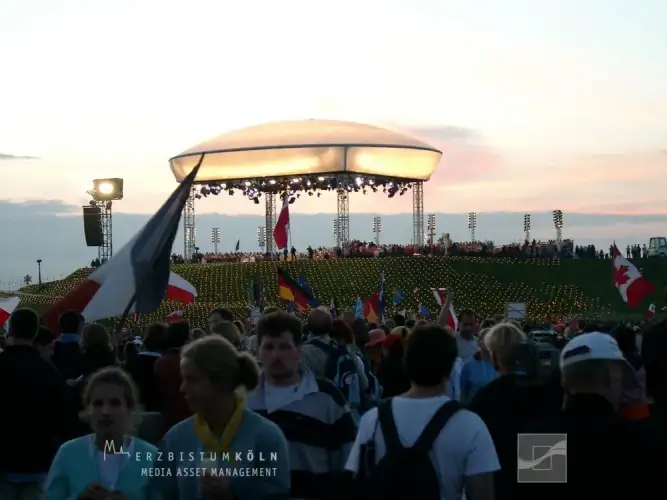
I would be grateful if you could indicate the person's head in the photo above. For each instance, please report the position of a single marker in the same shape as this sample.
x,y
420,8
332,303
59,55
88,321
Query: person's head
x,y
95,339
177,335
501,341
319,322
626,338
360,331
375,339
111,402
279,344
348,317
198,333
394,346
430,353
219,314
399,320
23,325
155,337
241,327
70,322
403,331
45,342
212,369
228,330
593,363
482,350
467,322
342,333
271,310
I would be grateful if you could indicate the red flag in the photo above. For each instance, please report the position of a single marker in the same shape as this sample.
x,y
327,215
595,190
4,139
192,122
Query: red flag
x,y
372,308
282,224
7,307
174,317
440,295
632,286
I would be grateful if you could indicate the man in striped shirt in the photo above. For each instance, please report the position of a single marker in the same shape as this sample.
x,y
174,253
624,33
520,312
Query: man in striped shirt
x,y
311,412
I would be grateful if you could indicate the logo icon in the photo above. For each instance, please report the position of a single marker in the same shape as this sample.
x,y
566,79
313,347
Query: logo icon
x,y
542,458
110,449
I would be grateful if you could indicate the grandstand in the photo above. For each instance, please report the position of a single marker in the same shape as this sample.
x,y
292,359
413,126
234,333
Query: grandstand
x,y
552,289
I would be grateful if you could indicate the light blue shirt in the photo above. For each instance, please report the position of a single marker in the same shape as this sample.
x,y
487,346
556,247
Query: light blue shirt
x,y
476,373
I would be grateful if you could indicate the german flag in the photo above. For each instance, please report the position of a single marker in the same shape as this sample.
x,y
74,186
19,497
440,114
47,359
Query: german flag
x,y
289,289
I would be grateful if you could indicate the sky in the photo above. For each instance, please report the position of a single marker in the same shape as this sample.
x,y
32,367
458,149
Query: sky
x,y
535,105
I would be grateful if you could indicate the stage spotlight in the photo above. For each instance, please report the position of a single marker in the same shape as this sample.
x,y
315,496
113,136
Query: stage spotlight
x,y
107,189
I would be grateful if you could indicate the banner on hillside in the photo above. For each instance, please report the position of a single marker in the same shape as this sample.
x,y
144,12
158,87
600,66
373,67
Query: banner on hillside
x,y
516,310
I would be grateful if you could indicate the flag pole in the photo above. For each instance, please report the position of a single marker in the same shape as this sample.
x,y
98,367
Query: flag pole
x,y
143,281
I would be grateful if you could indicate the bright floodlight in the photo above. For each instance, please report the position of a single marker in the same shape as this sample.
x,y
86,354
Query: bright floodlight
x,y
107,189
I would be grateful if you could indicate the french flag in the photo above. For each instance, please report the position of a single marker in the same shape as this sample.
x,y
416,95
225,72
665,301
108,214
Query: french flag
x,y
137,278
440,295
7,307
282,225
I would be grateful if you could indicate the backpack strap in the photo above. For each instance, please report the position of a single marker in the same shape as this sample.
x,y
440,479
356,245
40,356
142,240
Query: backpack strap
x,y
425,441
388,426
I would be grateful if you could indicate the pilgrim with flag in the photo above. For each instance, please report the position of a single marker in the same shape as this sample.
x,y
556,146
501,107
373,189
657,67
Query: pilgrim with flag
x,y
136,278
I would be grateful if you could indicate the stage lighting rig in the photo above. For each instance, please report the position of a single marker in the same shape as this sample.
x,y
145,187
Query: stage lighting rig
x,y
472,225
107,189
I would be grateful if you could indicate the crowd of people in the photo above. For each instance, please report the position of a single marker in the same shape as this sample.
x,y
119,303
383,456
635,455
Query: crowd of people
x,y
329,408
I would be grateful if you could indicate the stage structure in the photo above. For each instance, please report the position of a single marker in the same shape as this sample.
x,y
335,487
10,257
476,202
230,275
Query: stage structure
x,y
305,158
103,192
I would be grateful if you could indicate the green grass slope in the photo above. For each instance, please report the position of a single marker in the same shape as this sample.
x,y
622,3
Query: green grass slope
x,y
551,289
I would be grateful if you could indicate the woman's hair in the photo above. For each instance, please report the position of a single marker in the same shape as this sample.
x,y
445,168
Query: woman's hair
x,y
501,341
44,336
403,331
113,376
227,330
219,360
95,338
341,332
155,337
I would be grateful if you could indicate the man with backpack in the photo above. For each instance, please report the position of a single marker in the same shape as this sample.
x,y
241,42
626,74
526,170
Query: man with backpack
x,y
422,444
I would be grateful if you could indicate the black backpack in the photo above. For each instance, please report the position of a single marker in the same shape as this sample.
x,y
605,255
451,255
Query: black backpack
x,y
402,471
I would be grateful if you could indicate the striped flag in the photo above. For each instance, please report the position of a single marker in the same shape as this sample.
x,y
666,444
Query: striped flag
x,y
280,231
138,274
440,295
7,307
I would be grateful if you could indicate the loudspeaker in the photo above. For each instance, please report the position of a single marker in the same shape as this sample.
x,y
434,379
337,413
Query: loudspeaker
x,y
92,226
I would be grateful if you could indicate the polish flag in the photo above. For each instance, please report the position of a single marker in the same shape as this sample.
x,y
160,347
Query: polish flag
x,y
7,307
632,286
138,275
175,317
180,290
650,312
440,295
282,225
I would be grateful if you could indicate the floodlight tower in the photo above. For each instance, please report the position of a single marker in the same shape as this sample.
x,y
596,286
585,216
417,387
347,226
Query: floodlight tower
x,y
472,225
377,229
558,225
215,238
430,227
103,192
335,231
526,226
261,237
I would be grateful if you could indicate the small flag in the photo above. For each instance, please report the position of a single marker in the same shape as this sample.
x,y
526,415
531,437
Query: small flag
x,y
423,311
174,317
632,286
7,307
292,291
398,296
238,245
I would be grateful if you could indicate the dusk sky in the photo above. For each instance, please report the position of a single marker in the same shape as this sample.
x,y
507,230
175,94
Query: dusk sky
x,y
536,104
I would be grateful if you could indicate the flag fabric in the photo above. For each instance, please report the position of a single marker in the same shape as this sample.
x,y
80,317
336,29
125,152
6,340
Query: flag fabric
x,y
381,299
304,284
358,309
280,231
415,291
372,308
174,317
398,296
138,274
423,311
180,290
238,245
650,312
7,307
332,308
290,307
632,286
440,295
290,290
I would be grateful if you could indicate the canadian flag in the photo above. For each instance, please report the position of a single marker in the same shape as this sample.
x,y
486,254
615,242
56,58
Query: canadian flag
x,y
650,312
440,295
632,286
174,317
282,225
7,307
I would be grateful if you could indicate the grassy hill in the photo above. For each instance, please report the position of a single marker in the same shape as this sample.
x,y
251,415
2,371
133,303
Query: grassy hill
x,y
551,289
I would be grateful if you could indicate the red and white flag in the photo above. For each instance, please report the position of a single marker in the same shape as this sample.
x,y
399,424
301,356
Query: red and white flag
x,y
632,286
139,273
440,295
7,307
280,232
650,312
174,317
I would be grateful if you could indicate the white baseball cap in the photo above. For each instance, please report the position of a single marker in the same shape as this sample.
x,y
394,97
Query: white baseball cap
x,y
589,346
